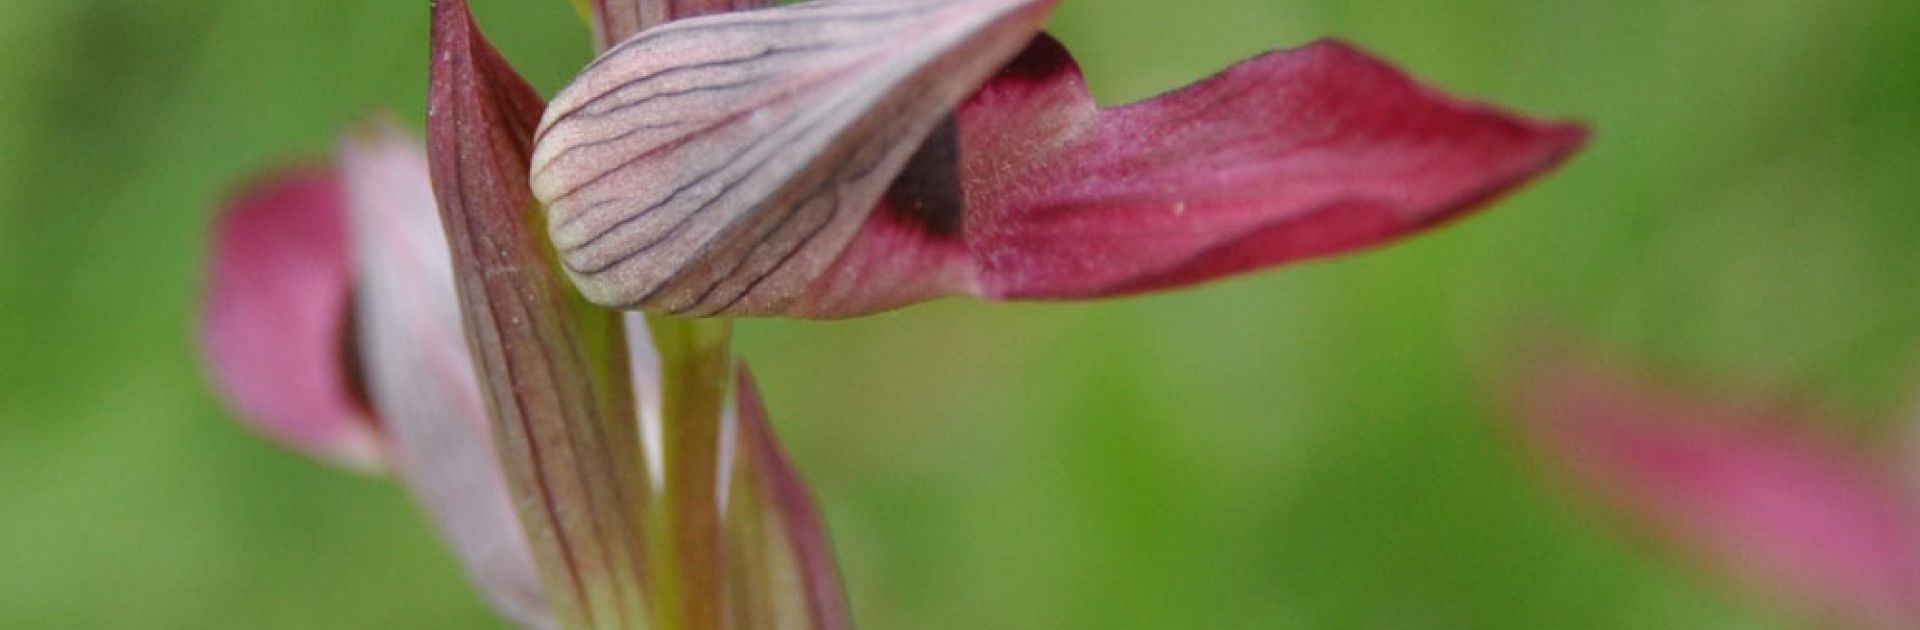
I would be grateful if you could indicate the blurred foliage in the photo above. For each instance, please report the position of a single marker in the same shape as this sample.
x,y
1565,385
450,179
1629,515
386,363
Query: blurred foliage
x,y
1320,447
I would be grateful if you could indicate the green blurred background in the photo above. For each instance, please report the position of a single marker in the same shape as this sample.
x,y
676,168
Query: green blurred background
x,y
1318,447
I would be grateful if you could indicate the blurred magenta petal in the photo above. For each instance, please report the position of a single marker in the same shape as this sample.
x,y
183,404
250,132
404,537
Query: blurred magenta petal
x,y
420,375
276,323
1041,194
615,20
782,573
1747,488
549,372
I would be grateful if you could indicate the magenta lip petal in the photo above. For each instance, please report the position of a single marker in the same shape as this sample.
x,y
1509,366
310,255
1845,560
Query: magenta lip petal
x,y
1287,156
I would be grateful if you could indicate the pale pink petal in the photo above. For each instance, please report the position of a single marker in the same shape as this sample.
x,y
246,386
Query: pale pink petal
x,y
1038,193
1747,488
276,326
420,374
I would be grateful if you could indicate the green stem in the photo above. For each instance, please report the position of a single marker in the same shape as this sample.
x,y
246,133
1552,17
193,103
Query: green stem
x,y
696,366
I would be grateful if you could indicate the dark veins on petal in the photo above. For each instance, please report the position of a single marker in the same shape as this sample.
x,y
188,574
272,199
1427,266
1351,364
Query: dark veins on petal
x,y
716,174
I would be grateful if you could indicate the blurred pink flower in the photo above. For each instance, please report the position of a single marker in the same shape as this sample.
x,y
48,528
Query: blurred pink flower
x,y
1750,489
333,326
276,318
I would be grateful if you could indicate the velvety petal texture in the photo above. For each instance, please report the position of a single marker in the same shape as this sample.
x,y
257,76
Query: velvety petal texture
x,y
276,324
420,374
716,165
1748,488
1039,193
615,20
553,373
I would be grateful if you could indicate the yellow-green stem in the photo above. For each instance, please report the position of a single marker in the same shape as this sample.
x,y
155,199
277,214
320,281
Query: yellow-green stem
x,y
696,366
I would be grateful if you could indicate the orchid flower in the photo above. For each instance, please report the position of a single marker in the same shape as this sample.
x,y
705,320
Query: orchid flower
x,y
333,326
839,157
1752,490
731,158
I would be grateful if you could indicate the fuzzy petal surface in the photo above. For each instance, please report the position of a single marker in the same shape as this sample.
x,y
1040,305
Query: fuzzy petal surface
x,y
1038,193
